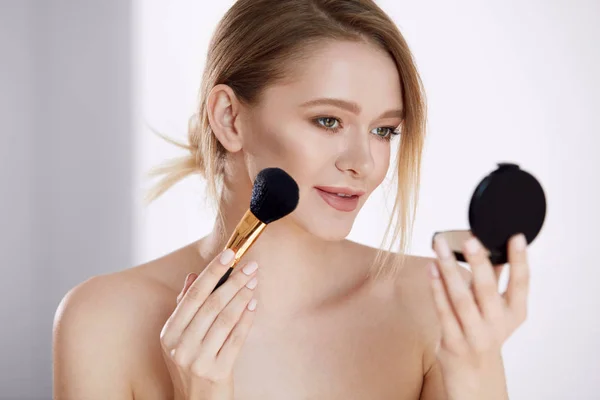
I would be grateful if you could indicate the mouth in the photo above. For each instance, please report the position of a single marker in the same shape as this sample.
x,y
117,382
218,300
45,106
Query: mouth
x,y
341,199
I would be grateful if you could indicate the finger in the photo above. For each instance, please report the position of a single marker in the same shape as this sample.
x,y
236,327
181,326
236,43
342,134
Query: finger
x,y
451,330
498,269
197,329
234,342
195,296
518,283
227,320
189,279
460,296
485,283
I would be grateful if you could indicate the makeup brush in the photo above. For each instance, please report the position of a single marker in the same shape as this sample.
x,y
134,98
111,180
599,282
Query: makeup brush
x,y
275,194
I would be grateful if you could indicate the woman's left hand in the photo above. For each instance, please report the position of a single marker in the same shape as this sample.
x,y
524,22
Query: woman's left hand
x,y
475,321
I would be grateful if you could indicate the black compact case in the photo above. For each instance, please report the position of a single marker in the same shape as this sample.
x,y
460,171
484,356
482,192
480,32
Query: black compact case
x,y
506,202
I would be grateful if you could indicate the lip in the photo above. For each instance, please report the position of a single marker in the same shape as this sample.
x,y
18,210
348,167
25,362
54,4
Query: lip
x,y
342,190
348,204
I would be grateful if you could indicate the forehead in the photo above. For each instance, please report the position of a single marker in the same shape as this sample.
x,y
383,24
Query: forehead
x,y
353,71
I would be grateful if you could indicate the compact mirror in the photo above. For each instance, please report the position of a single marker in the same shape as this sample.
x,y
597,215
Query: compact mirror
x,y
507,201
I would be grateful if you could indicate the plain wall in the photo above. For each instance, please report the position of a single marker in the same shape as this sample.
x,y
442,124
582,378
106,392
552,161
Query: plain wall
x,y
66,174
17,226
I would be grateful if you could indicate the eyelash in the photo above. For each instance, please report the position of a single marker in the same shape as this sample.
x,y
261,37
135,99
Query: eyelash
x,y
392,130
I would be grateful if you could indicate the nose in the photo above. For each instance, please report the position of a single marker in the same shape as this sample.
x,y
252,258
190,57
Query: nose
x,y
356,155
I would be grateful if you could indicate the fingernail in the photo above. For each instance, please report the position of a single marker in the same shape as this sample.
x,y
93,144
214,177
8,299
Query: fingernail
x,y
252,305
472,246
442,246
252,284
226,256
520,242
433,271
185,284
250,268
187,280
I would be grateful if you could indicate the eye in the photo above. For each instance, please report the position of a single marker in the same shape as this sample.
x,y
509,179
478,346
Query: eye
x,y
328,122
335,124
385,132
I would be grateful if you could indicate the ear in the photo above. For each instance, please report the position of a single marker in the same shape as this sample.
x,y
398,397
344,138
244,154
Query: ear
x,y
223,110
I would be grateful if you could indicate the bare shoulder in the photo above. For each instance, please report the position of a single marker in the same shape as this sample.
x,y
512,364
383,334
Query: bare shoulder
x,y
109,301
414,290
410,292
93,328
107,326
115,300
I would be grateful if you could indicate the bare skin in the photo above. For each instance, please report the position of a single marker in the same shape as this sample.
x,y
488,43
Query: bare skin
x,y
370,340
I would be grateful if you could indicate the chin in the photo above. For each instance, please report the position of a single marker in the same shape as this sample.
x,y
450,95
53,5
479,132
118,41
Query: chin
x,y
324,224
330,234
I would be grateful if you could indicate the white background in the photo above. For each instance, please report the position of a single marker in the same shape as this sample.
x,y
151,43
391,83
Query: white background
x,y
506,81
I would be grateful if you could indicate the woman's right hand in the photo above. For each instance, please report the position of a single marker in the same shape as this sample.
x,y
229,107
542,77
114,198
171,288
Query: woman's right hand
x,y
203,336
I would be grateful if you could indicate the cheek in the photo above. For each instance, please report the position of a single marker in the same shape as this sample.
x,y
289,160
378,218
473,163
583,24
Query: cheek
x,y
381,156
285,139
290,147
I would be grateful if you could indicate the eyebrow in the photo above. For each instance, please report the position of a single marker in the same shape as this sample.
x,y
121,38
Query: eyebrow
x,y
351,106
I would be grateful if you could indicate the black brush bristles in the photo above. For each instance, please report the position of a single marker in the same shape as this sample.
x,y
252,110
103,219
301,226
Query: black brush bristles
x,y
275,194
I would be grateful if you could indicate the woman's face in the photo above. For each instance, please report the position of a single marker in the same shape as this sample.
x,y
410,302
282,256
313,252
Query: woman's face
x,y
330,129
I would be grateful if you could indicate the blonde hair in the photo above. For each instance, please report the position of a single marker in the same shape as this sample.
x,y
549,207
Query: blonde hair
x,y
252,47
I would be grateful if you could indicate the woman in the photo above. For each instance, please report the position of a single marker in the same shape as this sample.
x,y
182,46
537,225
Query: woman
x,y
324,89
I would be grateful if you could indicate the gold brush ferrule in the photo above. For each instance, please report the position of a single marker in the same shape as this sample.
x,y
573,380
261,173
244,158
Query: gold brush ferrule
x,y
246,232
